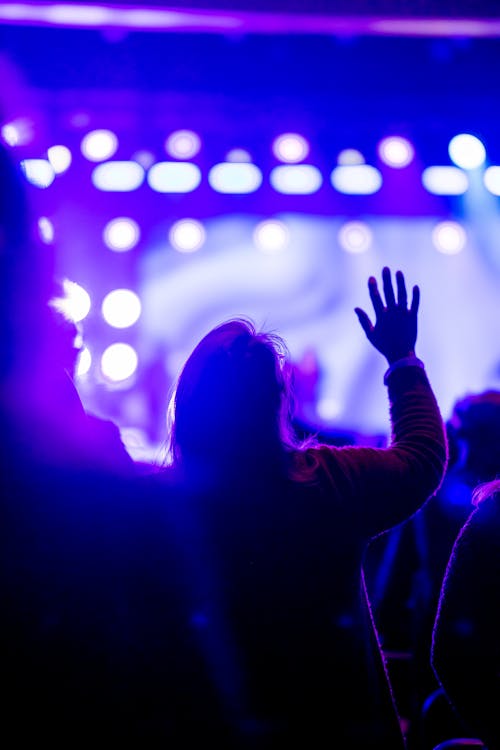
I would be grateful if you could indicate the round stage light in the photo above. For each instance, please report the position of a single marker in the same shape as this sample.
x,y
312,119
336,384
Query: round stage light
x,y
46,230
238,156
445,180
348,157
99,145
118,362
355,237
39,172
467,151
60,158
83,363
396,151
174,177
187,235
121,234
18,132
75,304
290,148
183,144
449,237
271,236
121,308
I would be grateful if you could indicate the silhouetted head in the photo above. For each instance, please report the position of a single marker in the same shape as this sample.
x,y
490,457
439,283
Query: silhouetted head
x,y
475,423
230,407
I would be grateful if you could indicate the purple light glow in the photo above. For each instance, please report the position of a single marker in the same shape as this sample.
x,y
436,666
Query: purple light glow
x,y
396,152
290,148
103,16
183,144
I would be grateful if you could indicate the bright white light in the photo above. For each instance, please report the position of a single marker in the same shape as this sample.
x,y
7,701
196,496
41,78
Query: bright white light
x,y
349,157
359,179
187,235
466,151
445,180
290,148
17,132
449,237
119,362
75,304
396,151
271,236
121,234
118,176
121,308
355,237
46,230
492,180
84,362
174,177
82,14
60,158
183,144
235,178
99,145
302,179
238,156
39,172
328,408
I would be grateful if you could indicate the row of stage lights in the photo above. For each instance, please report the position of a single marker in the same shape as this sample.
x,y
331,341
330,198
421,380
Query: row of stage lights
x,y
121,308
239,175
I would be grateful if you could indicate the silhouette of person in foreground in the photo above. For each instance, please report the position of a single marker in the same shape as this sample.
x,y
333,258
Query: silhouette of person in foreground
x,y
270,537
466,636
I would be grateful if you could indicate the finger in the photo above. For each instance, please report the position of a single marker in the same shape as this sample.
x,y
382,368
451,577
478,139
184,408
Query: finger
x,y
375,297
388,290
402,296
415,300
365,321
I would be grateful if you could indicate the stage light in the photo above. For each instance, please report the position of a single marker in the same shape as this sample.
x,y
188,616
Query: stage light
x,y
396,151
449,237
492,180
183,144
238,156
60,158
359,179
467,151
118,176
235,179
174,177
118,362
328,408
187,235
121,308
99,145
83,363
121,234
355,237
75,304
46,230
290,148
145,158
17,132
271,236
302,179
349,157
445,180
38,171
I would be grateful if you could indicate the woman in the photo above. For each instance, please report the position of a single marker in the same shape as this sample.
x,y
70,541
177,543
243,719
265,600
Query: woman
x,y
271,536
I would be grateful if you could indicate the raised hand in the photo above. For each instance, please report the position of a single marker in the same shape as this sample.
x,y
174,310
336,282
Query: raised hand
x,y
395,330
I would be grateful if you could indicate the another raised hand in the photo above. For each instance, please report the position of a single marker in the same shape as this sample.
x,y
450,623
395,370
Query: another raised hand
x,y
395,331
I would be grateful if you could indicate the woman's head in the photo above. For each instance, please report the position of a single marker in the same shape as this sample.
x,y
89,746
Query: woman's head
x,y
231,402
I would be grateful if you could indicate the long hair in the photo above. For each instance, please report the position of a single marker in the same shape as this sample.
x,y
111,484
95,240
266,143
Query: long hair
x,y
232,404
485,490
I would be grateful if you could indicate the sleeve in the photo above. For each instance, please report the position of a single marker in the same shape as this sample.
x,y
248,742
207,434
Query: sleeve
x,y
385,486
465,653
